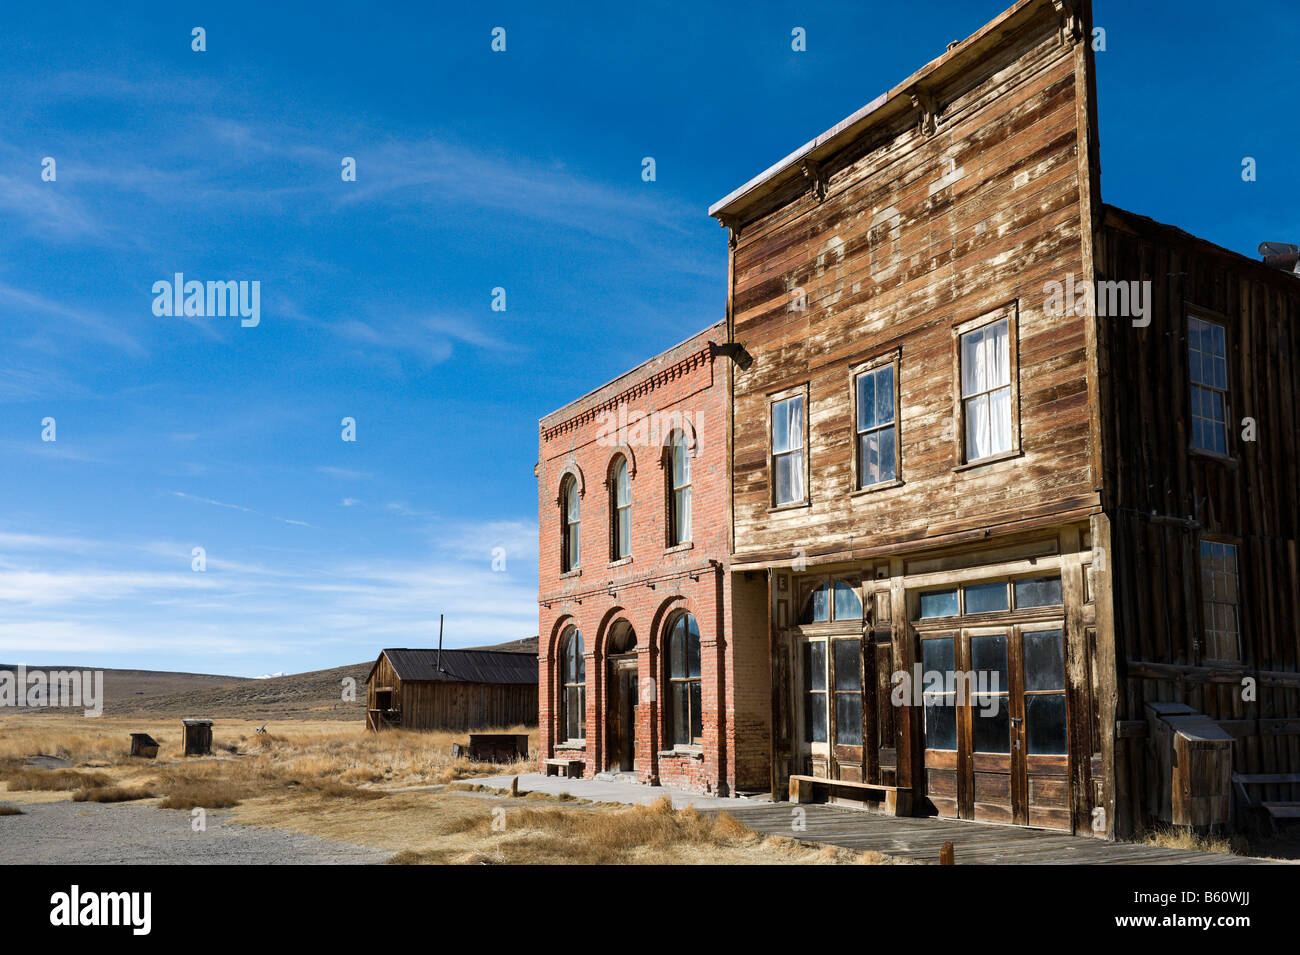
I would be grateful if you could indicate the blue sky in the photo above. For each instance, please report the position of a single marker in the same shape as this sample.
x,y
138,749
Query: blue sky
x,y
475,170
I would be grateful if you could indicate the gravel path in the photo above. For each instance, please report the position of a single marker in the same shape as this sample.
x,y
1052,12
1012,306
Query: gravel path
x,y
61,833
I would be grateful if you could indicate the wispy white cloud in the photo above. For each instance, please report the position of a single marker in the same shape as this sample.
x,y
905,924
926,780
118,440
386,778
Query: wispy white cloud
x,y
238,507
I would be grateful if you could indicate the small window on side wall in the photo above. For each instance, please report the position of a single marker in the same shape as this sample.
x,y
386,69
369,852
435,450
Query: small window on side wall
x,y
1219,598
1208,371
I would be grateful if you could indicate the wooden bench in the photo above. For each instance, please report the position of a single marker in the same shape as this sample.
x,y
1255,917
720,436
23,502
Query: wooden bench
x,y
896,801
568,768
1274,810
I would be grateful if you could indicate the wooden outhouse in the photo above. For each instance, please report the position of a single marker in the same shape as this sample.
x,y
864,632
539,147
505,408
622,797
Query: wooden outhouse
x,y
198,737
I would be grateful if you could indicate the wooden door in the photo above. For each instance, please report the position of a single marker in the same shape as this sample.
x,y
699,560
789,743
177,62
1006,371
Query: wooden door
x,y
996,734
812,690
622,714
845,706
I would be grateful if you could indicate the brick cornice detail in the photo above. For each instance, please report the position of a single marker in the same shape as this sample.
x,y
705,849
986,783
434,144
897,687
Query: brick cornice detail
x,y
679,369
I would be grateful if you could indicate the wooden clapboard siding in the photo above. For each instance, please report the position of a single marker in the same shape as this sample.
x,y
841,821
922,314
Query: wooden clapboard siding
x,y
464,706
997,234
1161,498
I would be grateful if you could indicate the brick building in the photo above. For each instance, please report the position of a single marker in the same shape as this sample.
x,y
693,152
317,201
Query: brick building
x,y
638,660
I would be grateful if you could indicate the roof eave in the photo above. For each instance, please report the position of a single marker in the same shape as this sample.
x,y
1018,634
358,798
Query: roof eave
x,y
774,177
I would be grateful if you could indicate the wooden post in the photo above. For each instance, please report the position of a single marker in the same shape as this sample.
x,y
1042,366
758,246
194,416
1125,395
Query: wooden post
x,y
945,854
514,787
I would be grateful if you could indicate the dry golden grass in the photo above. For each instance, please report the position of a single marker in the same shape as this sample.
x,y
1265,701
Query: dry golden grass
x,y
112,794
1181,838
458,827
336,781
51,780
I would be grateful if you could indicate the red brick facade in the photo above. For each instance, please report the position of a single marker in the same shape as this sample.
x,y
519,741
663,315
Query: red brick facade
x,y
685,391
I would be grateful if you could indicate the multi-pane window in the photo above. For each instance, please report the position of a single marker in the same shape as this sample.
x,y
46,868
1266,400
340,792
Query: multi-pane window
x,y
679,491
685,715
1219,596
843,600
986,390
571,517
848,691
573,676
788,450
621,510
1208,370
876,427
1025,593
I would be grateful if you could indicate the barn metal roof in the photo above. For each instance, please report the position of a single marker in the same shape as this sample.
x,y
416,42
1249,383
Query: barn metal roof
x,y
462,666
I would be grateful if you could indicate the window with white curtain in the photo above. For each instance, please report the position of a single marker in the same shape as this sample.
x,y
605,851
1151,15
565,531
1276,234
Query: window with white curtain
x,y
788,450
621,501
986,390
679,491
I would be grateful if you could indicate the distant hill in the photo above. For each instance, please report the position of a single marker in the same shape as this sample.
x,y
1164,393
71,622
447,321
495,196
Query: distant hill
x,y
128,684
315,695
526,645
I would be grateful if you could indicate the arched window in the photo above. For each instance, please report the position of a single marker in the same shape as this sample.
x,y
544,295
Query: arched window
x,y
679,491
573,677
685,716
570,520
620,509
824,603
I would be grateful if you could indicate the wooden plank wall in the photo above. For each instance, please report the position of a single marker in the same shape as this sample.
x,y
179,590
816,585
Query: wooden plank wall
x,y
1007,225
460,707
1160,498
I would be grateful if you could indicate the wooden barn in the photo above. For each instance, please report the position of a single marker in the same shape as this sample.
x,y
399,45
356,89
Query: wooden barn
x,y
457,690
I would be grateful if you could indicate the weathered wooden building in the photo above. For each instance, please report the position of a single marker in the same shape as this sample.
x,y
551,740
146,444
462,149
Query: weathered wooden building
x,y
457,690
968,440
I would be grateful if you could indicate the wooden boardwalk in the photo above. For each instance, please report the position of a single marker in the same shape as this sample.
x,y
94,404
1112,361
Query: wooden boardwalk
x,y
974,843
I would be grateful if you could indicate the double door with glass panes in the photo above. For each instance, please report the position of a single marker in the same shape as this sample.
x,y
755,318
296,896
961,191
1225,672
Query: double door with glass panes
x,y
996,741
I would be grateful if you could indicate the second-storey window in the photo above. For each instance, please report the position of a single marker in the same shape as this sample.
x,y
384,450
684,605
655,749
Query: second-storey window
x,y
788,451
1208,364
621,511
571,516
986,390
876,427
679,491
